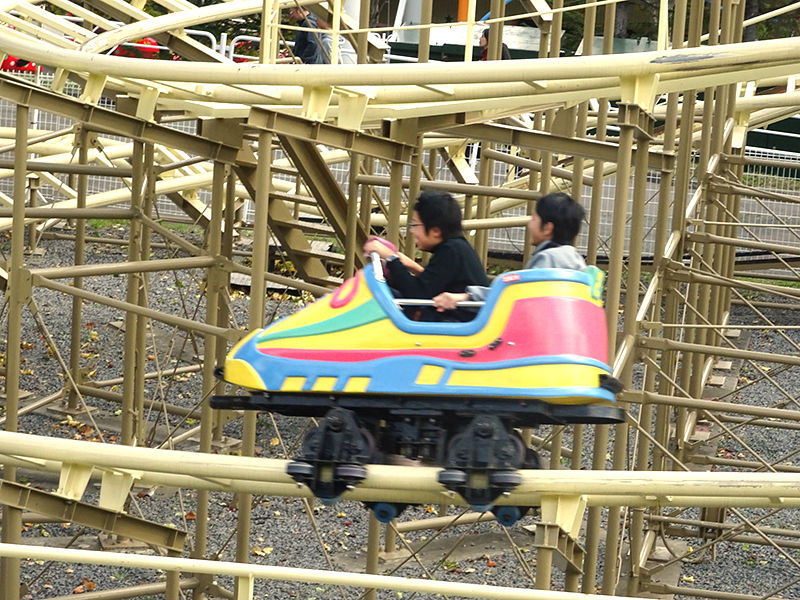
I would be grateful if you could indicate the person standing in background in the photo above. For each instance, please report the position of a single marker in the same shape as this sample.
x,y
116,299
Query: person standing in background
x,y
347,54
311,47
505,53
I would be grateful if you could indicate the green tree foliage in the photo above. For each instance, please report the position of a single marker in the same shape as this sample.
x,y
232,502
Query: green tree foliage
x,y
783,26
572,24
635,19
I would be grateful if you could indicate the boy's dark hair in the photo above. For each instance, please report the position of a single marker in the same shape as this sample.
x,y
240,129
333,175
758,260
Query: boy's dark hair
x,y
505,53
564,213
439,209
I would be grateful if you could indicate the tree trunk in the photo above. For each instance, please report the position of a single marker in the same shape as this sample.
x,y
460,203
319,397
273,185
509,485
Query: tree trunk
x,y
751,9
621,23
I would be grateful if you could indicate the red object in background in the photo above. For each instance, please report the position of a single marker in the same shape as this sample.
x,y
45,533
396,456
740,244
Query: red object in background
x,y
146,48
244,51
12,63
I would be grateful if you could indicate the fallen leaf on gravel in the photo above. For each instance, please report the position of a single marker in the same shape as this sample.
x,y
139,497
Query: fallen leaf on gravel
x,y
87,586
190,516
259,551
687,579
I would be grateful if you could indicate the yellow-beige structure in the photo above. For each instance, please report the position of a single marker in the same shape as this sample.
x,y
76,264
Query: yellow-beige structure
x,y
668,128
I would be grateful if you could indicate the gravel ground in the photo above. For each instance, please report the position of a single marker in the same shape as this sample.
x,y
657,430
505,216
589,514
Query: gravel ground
x,y
752,567
281,534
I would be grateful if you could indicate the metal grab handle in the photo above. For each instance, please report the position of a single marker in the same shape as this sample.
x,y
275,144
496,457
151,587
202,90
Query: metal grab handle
x,y
420,302
377,266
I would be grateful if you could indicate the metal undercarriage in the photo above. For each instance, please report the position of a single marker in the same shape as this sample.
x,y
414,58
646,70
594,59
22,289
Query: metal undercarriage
x,y
474,439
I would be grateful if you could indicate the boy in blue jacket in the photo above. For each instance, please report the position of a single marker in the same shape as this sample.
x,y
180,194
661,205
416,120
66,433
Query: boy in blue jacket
x,y
553,228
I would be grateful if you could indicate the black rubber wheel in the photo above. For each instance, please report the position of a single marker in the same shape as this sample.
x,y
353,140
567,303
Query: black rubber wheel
x,y
508,515
300,469
452,477
350,472
505,479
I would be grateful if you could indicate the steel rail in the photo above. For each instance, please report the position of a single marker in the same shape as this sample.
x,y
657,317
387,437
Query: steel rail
x,y
46,212
369,492
50,167
711,405
251,571
738,56
409,481
144,266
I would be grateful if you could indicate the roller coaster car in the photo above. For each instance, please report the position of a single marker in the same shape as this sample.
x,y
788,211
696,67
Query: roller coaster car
x,y
450,394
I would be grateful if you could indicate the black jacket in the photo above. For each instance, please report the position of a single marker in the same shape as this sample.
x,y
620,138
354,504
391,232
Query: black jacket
x,y
453,266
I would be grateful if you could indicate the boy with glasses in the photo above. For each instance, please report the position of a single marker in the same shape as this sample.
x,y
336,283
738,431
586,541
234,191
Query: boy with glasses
x,y
435,226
